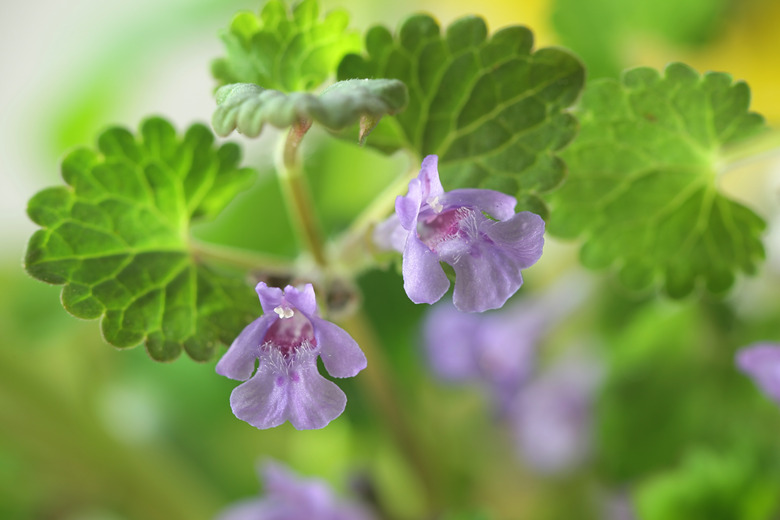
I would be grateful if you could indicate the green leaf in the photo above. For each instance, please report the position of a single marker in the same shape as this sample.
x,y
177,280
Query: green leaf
x,y
285,51
642,187
713,485
248,107
117,238
490,108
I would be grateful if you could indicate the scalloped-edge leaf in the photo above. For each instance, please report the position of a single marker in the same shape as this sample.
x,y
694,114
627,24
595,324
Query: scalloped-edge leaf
x,y
493,109
642,188
248,107
285,50
117,237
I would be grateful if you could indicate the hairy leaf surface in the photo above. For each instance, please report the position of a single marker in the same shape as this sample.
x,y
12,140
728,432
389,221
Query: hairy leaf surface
x,y
248,107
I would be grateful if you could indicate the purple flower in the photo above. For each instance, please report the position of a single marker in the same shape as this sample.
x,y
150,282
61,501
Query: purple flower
x,y
289,497
498,349
551,417
761,361
286,341
437,226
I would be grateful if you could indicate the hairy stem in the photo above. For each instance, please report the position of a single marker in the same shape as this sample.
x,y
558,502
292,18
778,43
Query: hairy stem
x,y
382,205
296,194
251,261
379,385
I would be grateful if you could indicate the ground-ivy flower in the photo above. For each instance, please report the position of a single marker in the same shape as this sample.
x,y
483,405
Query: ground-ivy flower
x,y
761,361
286,341
495,351
289,497
475,231
552,415
498,350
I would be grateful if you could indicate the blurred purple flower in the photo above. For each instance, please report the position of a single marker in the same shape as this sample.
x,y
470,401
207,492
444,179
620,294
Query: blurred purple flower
x,y
289,497
551,417
432,226
619,506
286,341
497,350
761,361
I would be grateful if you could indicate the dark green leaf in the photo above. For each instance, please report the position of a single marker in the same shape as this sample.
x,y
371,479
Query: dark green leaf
x,y
492,109
248,107
642,189
285,51
117,238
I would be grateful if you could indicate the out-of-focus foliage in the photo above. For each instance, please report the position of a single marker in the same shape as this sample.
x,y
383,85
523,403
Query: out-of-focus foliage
x,y
282,51
642,186
604,32
713,485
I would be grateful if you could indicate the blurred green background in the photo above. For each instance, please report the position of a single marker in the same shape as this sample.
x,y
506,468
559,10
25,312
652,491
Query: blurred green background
x,y
89,432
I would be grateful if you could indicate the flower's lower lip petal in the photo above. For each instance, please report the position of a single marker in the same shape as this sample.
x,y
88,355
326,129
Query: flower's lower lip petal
x,y
313,400
340,354
485,279
523,234
424,279
239,361
261,401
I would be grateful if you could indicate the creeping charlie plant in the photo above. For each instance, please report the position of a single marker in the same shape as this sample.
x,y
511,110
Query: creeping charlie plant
x,y
445,157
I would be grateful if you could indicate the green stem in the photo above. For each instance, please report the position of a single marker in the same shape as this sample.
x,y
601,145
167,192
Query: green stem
x,y
242,258
355,248
297,196
376,378
379,385
382,205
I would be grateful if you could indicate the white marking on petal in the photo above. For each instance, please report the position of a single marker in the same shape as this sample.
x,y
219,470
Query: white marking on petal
x,y
435,204
284,312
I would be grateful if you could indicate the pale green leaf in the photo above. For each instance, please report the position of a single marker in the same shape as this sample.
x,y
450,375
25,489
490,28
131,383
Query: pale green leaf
x,y
248,107
642,191
286,51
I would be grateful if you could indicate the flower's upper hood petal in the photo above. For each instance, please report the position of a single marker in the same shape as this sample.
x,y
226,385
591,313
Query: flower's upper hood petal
x,y
303,300
270,297
498,205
